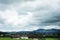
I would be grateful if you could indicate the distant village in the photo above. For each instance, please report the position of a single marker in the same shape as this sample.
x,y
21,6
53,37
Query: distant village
x,y
41,33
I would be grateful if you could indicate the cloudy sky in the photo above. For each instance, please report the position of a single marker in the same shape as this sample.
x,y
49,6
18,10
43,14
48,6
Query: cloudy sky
x,y
28,15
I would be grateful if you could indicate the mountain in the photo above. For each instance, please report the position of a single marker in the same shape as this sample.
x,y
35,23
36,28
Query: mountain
x,y
41,31
47,31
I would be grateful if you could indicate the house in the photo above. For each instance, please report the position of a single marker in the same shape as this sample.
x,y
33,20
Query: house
x,y
15,36
24,37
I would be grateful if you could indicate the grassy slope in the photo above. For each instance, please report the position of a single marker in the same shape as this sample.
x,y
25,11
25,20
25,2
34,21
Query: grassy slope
x,y
28,39
13,39
52,38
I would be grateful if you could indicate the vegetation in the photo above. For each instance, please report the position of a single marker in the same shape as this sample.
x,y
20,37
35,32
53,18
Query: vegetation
x,y
27,39
40,34
52,38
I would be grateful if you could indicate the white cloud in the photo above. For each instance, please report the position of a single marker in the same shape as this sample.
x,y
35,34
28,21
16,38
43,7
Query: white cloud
x,y
51,27
40,8
12,17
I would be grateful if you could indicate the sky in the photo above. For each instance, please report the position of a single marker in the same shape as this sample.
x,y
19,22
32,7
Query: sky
x,y
29,15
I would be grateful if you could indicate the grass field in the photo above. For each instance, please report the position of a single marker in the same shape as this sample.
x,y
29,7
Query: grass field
x,y
29,39
52,38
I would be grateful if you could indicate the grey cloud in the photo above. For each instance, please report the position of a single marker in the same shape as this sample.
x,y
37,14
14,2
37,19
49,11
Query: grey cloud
x,y
2,21
53,20
12,1
8,1
42,18
3,7
42,15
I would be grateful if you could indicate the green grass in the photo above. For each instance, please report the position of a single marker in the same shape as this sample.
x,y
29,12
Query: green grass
x,y
13,39
52,38
28,39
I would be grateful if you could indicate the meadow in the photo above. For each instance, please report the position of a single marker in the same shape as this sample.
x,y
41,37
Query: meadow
x,y
28,39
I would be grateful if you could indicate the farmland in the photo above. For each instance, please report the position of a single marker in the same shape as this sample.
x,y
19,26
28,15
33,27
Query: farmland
x,y
28,39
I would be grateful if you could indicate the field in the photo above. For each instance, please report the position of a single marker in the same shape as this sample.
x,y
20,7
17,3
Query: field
x,y
52,38
29,39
